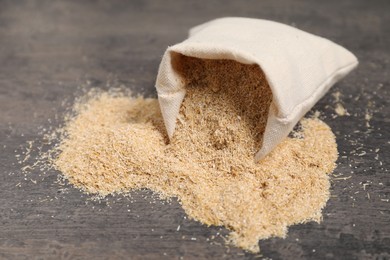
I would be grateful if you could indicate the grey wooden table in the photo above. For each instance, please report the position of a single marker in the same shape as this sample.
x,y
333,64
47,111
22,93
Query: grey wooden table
x,y
48,49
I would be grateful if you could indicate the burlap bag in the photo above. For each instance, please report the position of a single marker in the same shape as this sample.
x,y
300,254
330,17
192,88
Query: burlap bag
x,y
300,68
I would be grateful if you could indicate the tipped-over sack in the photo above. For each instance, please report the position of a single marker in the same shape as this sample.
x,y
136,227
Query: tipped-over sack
x,y
299,67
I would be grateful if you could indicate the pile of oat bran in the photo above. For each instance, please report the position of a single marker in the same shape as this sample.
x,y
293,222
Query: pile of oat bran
x,y
117,143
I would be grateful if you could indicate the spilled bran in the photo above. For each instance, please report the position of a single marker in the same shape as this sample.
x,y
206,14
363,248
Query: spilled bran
x,y
117,143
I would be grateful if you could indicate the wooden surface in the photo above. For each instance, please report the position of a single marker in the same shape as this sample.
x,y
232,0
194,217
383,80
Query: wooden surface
x,y
48,49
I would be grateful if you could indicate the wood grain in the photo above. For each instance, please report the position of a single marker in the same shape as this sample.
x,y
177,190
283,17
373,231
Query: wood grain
x,y
48,49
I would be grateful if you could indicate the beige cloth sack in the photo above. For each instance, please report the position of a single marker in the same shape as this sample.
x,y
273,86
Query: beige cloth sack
x,y
300,68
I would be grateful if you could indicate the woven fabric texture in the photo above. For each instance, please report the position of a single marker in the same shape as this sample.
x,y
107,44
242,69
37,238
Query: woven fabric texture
x,y
300,68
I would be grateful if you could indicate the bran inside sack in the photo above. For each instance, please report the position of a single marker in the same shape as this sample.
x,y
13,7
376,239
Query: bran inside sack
x,y
117,143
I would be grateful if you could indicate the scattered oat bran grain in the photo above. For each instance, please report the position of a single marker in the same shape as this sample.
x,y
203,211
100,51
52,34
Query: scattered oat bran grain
x,y
116,144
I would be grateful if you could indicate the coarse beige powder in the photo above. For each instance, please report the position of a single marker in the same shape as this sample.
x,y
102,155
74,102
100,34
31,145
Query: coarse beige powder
x,y
117,143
